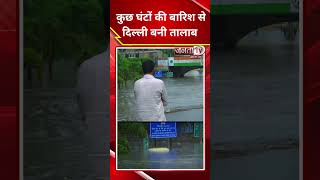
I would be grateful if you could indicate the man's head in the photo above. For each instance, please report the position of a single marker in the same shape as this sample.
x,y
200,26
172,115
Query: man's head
x,y
148,67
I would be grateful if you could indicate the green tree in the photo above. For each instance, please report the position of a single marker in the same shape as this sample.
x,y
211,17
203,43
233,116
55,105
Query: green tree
x,y
32,60
129,69
61,29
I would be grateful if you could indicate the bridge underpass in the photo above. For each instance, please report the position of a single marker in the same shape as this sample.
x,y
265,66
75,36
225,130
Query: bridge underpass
x,y
180,71
229,29
248,82
233,19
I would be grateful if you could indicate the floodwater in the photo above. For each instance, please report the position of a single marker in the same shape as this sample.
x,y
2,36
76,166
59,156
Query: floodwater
x,y
186,156
254,98
185,99
255,107
54,146
255,89
185,104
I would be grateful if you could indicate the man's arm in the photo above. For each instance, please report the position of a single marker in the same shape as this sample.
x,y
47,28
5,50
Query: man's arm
x,y
164,96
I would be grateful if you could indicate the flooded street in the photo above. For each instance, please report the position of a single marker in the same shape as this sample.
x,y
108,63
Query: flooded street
x,y
255,89
54,146
255,106
186,156
185,100
185,104
254,116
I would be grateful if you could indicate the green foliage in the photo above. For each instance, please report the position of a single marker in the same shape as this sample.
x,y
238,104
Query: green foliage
x,y
167,53
129,69
32,58
130,129
64,29
137,129
123,146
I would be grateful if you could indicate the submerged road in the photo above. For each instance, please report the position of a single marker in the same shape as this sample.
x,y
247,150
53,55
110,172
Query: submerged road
x,y
254,118
255,109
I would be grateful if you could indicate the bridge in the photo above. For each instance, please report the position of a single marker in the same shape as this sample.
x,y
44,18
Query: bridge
x,y
179,66
180,71
233,19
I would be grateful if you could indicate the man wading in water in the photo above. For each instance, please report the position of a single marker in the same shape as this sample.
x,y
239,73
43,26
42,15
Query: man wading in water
x,y
150,94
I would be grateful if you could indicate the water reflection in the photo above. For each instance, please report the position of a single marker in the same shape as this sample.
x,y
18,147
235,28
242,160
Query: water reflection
x,y
185,156
185,99
255,100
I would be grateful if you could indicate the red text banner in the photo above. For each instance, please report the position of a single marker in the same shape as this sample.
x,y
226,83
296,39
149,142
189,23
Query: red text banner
x,y
162,22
